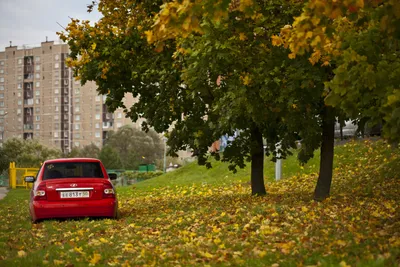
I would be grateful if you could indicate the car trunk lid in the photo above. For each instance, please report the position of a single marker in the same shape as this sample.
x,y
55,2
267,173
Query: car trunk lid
x,y
69,189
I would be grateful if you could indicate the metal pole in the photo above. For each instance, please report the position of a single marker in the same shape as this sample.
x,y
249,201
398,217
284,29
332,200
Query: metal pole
x,y
278,164
165,154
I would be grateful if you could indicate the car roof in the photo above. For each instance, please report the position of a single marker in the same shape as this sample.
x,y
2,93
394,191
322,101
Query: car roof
x,y
72,160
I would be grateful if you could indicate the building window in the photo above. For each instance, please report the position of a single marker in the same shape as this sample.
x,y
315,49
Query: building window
x,y
19,94
37,84
37,76
1,104
56,108
2,63
37,59
56,57
77,117
37,68
97,134
97,116
1,87
77,100
37,126
19,77
1,112
1,80
37,118
119,125
56,82
37,101
55,134
18,110
1,95
19,102
56,91
97,125
77,91
20,86
56,117
56,65
19,61
56,100
37,109
77,126
37,93
1,71
97,98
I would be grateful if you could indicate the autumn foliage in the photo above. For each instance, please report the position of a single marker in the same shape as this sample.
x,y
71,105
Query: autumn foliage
x,y
198,225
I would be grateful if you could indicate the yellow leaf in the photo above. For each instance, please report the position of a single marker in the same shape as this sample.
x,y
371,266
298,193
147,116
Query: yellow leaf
x,y
344,264
242,36
93,46
95,259
276,40
149,35
208,255
21,253
292,55
304,209
58,262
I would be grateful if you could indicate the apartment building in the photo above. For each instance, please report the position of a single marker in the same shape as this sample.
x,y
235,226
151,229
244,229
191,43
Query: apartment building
x,y
40,99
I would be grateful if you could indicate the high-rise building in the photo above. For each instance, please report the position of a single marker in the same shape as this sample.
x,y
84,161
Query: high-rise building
x,y
40,99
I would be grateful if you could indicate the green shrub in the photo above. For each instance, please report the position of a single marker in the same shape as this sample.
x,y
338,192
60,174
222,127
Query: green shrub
x,y
140,176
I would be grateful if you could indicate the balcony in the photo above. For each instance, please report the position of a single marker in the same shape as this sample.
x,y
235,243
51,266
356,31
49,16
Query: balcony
x,y
107,125
28,126
28,102
28,76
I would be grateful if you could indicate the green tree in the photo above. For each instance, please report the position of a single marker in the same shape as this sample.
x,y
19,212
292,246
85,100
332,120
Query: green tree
x,y
27,153
209,74
89,151
110,157
362,40
135,147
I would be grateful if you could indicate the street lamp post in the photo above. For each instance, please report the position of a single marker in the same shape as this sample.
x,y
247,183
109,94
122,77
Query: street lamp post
x,y
165,153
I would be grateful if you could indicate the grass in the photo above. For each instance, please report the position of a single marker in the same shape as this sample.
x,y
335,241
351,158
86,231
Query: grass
x,y
185,218
193,174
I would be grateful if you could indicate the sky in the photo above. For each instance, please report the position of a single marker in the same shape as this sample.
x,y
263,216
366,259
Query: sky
x,y
28,22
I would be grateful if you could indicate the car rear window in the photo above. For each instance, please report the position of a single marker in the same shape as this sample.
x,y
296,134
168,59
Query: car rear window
x,y
72,170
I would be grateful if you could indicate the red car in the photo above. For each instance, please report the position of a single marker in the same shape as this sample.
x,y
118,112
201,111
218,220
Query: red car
x,y
75,187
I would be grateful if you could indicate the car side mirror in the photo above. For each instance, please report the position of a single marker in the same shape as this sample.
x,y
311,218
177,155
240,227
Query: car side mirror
x,y
112,176
29,179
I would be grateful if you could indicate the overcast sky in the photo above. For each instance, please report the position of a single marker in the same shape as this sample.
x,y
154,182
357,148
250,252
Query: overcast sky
x,y
28,22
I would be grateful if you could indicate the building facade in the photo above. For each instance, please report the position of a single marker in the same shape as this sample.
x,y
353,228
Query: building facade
x,y
40,99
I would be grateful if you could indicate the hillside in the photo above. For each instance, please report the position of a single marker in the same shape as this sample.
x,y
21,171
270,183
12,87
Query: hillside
x,y
221,224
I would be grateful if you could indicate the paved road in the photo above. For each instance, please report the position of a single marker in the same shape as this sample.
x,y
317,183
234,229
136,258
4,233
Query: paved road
x,y
3,192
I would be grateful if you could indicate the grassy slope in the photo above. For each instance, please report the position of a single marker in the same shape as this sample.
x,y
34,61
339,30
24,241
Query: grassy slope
x,y
219,173
221,224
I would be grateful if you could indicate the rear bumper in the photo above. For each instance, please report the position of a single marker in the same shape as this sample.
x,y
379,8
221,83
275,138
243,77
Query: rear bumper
x,y
95,208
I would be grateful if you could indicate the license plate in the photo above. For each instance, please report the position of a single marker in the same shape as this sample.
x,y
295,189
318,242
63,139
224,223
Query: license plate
x,y
74,194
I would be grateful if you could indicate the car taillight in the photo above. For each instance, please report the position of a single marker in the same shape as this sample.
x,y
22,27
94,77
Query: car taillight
x,y
40,192
108,191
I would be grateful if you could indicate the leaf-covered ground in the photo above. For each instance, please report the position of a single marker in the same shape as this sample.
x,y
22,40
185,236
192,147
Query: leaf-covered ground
x,y
223,225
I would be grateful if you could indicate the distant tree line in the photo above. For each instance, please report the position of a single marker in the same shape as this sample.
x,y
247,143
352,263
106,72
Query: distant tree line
x,y
126,148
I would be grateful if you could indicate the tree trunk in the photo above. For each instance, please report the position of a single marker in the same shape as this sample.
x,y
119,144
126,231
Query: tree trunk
x,y
257,163
326,161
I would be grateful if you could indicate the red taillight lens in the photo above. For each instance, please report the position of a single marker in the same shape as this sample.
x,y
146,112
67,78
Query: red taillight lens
x,y
40,192
108,191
